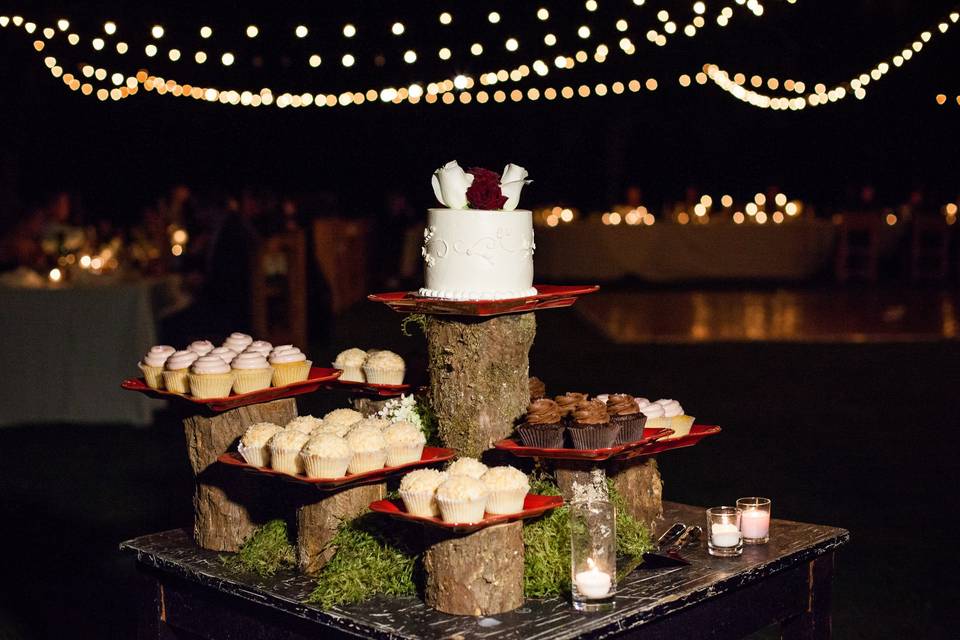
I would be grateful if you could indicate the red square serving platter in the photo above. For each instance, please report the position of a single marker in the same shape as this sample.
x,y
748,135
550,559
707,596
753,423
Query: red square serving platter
x,y
548,297
315,379
650,436
383,390
697,433
533,506
430,455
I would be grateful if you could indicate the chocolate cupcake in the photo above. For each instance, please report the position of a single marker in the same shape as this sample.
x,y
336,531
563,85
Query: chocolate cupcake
x,y
591,427
537,388
625,413
567,402
542,426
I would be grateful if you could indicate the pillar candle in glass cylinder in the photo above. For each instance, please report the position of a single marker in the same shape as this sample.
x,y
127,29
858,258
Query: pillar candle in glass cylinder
x,y
723,526
755,519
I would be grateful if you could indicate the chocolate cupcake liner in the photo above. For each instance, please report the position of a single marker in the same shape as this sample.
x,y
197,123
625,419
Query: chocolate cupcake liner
x,y
631,427
547,436
593,436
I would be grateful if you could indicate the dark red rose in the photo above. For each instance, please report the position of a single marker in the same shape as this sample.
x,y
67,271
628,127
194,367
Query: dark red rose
x,y
485,192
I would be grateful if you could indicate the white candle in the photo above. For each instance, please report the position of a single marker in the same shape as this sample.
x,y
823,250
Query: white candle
x,y
755,523
724,534
593,583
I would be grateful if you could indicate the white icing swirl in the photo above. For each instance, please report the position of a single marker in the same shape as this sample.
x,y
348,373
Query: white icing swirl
x,y
282,347
261,347
641,402
210,364
180,360
225,353
201,347
250,360
158,355
652,410
671,408
477,295
291,354
237,341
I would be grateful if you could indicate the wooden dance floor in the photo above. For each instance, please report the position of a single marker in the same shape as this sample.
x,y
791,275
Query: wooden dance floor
x,y
784,315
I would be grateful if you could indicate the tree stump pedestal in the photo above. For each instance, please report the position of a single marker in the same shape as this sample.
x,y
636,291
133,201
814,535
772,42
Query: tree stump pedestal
x,y
319,515
637,481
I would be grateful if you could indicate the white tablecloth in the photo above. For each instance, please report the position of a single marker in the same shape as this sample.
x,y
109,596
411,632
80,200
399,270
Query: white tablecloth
x,y
584,251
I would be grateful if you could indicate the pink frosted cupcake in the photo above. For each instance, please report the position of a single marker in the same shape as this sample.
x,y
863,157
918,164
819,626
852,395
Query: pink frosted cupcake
x,y
152,364
210,377
201,347
237,342
259,346
289,365
251,372
224,353
176,371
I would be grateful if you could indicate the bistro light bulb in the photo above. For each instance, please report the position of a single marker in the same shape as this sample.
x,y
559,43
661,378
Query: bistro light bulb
x,y
397,28
156,31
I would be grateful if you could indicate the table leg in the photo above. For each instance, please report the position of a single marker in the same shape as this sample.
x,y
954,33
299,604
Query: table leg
x,y
814,623
151,624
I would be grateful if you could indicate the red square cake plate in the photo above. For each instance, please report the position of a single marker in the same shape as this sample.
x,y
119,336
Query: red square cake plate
x,y
697,433
533,505
548,297
383,390
650,436
430,455
317,377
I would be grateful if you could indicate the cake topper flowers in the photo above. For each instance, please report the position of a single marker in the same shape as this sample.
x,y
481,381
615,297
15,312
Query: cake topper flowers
x,y
479,188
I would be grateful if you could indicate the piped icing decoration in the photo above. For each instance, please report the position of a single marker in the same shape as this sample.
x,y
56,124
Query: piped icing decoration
x,y
622,404
157,356
671,408
641,402
652,410
537,388
260,346
224,353
250,360
568,401
237,341
180,360
210,364
291,354
590,412
201,347
281,347
543,411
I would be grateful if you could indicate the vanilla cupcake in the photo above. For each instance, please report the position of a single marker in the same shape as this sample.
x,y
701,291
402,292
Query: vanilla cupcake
x,y
210,377
507,489
253,444
462,499
259,346
418,489
176,371
655,416
678,420
339,421
470,467
251,372
351,362
404,443
326,456
369,450
152,364
237,342
304,424
384,367
289,365
201,347
224,353
285,446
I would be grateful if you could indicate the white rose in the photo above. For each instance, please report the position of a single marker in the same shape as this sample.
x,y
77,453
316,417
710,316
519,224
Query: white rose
x,y
512,180
450,184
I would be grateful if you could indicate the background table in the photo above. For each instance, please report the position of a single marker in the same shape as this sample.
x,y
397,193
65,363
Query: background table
x,y
787,581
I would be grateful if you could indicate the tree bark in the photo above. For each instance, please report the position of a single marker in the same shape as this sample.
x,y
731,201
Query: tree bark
x,y
477,574
368,406
479,370
640,485
228,505
581,480
319,517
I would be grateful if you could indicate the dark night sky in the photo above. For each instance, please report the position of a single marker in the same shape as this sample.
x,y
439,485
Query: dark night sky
x,y
582,151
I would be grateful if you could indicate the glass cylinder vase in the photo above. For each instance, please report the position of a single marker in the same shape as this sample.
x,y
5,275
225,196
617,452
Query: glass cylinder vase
x,y
593,555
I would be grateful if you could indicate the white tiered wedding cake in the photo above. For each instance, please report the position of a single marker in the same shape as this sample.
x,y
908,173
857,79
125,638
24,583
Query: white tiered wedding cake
x,y
481,246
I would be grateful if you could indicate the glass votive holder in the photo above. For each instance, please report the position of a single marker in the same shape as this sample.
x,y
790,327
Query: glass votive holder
x,y
593,555
754,520
723,532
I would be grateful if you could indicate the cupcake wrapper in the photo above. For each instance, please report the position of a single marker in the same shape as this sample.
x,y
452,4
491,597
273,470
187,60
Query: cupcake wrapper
x,y
660,422
177,381
547,436
210,385
464,511
506,501
257,456
422,503
383,376
367,461
351,374
247,380
402,455
285,373
631,427
681,425
593,436
286,461
325,467
152,375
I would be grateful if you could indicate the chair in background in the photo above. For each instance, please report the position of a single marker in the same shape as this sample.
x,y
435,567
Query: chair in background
x,y
930,248
858,246
279,289
340,245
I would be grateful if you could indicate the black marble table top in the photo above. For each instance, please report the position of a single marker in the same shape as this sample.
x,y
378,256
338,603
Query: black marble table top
x,y
643,597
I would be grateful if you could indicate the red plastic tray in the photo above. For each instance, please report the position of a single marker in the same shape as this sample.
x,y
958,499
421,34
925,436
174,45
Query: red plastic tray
x,y
431,455
697,433
650,436
383,390
533,505
317,377
548,297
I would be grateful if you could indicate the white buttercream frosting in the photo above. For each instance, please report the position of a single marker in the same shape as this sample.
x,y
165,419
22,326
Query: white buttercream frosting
x,y
470,467
260,346
652,410
291,354
641,402
180,360
158,355
201,347
250,360
224,353
210,364
237,341
671,408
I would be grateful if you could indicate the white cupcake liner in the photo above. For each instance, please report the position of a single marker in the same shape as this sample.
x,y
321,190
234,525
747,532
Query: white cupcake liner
x,y
286,460
660,422
285,373
350,374
384,376
421,503
257,456
247,380
681,425
367,461
506,501
210,385
402,455
316,466
177,380
462,511
152,375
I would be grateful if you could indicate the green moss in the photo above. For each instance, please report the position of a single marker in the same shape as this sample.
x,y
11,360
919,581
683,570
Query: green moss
x,y
418,320
265,552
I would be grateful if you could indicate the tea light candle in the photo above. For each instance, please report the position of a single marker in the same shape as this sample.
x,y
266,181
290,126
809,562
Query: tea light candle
x,y
755,523
593,583
724,534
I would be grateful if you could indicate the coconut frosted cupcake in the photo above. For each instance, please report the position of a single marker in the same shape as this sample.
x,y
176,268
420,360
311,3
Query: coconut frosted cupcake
x,y
201,347
470,467
210,377
678,420
253,444
326,456
176,371
591,427
625,413
384,367
259,346
224,353
567,402
251,372
507,487
304,424
351,362
369,450
152,364
339,421
462,499
542,426
289,365
285,446
379,424
404,443
237,342
537,388
418,489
